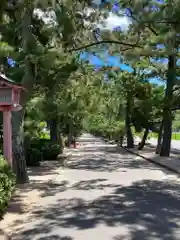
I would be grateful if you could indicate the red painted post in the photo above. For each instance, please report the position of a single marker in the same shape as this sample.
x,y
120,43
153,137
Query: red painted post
x,y
9,101
7,136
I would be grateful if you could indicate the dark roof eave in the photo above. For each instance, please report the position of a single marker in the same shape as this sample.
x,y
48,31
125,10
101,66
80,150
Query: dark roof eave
x,y
10,82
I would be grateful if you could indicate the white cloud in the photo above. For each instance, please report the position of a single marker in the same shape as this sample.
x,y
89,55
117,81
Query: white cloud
x,y
98,2
47,17
115,21
109,23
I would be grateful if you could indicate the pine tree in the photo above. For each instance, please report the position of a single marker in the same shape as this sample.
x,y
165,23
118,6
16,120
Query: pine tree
x,y
153,32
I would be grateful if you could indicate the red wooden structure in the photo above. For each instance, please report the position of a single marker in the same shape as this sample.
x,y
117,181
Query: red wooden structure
x,y
9,101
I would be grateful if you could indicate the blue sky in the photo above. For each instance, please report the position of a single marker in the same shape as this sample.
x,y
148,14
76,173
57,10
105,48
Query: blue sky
x,y
112,61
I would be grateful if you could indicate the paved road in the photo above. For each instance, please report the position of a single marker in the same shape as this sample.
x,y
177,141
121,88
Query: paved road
x,y
107,194
175,144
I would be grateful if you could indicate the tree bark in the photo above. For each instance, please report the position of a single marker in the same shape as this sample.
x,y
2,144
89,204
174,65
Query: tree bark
x,y
143,141
159,140
53,130
70,139
61,142
120,141
167,114
70,134
129,135
19,161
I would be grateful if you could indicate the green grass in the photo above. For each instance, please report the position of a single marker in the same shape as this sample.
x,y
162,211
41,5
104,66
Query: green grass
x,y
176,136
153,135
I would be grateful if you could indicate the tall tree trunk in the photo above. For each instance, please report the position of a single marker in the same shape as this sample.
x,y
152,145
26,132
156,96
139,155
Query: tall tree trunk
x,y
2,8
70,134
70,139
19,161
159,140
143,141
60,139
61,142
129,135
53,130
167,113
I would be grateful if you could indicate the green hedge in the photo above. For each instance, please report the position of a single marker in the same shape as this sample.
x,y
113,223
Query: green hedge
x,y
39,150
7,184
50,151
33,157
109,131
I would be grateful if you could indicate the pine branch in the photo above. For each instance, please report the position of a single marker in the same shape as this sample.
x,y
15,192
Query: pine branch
x,y
166,21
147,25
104,42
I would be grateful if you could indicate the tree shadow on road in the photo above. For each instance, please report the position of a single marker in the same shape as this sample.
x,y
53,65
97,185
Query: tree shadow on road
x,y
39,188
27,196
151,204
55,237
46,168
150,209
94,184
43,235
108,160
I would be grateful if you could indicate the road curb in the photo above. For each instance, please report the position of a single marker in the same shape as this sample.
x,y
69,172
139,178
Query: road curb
x,y
152,161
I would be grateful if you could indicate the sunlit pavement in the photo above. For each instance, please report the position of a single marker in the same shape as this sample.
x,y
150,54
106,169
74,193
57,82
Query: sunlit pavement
x,y
104,193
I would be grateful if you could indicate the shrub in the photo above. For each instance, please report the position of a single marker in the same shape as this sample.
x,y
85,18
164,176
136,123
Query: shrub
x,y
44,149
7,184
33,157
110,131
38,143
50,151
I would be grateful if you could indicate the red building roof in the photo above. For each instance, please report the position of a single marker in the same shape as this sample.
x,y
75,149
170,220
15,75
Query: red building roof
x,y
5,81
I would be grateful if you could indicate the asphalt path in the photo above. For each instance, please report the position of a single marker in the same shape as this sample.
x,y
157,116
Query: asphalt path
x,y
106,193
175,144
